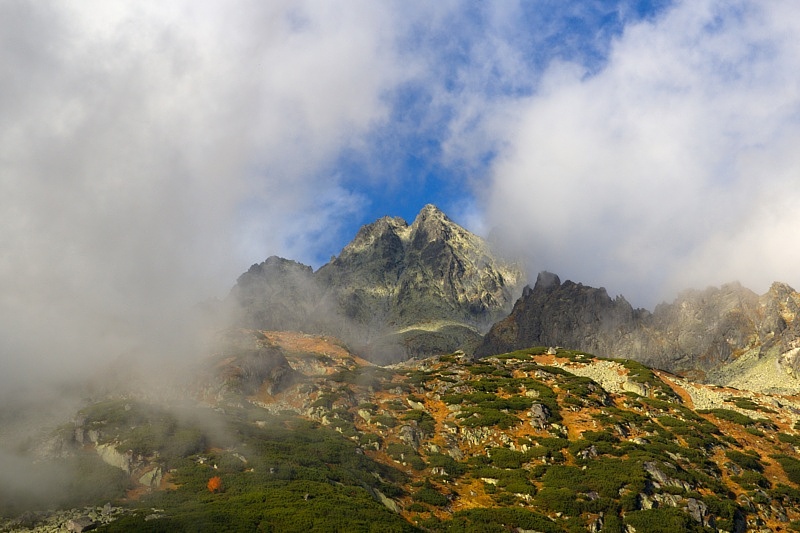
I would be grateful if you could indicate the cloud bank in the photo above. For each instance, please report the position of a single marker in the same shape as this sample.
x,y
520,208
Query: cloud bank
x,y
149,150
675,165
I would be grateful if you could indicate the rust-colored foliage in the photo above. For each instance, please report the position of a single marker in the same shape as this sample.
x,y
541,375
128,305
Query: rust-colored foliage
x,y
215,484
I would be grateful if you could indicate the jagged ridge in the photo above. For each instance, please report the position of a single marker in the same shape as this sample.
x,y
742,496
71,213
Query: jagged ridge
x,y
700,334
397,290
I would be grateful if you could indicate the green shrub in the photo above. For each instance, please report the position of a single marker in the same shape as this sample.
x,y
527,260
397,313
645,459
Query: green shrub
x,y
750,480
405,453
487,417
430,494
450,465
424,420
748,404
501,520
505,458
559,500
384,420
745,460
480,369
790,496
794,440
730,416
791,466
661,520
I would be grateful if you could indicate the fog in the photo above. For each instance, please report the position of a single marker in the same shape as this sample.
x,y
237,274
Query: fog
x,y
150,152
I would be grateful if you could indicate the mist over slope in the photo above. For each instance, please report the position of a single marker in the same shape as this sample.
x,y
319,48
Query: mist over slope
x,y
297,433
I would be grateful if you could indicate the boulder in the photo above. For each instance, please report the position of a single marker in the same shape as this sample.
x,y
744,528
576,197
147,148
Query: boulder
x,y
78,525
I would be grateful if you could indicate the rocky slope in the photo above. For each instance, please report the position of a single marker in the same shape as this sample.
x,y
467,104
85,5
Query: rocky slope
x,y
396,291
717,334
539,439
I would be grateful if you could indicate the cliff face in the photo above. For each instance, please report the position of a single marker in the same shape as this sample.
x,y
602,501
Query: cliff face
x,y
565,314
700,333
396,291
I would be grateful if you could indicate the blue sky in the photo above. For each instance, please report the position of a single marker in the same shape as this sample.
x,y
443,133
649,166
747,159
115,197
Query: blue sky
x,y
152,151
409,145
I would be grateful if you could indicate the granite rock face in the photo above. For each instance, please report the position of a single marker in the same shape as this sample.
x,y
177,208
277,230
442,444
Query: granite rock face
x,y
396,291
700,332
563,314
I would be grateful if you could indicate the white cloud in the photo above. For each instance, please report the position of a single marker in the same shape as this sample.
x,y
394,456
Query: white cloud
x,y
150,151
673,166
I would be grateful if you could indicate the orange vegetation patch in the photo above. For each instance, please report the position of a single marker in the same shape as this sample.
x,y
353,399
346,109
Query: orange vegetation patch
x,y
167,483
577,422
544,359
134,494
214,484
680,391
294,341
472,495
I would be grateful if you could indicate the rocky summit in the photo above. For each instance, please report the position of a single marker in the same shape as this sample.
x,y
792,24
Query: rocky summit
x,y
396,291
727,335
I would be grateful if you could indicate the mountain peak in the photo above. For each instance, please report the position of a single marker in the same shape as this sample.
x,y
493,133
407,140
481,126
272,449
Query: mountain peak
x,y
546,279
399,290
431,213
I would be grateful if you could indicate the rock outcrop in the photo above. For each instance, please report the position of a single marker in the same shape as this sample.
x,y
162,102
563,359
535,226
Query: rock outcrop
x,y
567,314
396,291
701,332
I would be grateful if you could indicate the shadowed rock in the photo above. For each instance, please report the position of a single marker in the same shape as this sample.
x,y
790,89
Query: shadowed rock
x,y
699,332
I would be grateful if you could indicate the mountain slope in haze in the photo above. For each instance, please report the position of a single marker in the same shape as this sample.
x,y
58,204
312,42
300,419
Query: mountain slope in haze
x,y
718,334
302,435
396,291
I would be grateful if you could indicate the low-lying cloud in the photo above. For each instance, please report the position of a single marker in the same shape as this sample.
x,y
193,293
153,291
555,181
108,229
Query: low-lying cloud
x,y
151,151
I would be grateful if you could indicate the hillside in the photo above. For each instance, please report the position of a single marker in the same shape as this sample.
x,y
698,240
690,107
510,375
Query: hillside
x,y
305,436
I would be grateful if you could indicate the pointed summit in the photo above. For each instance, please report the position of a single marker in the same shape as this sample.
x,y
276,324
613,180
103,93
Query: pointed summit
x,y
433,226
401,291
430,212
